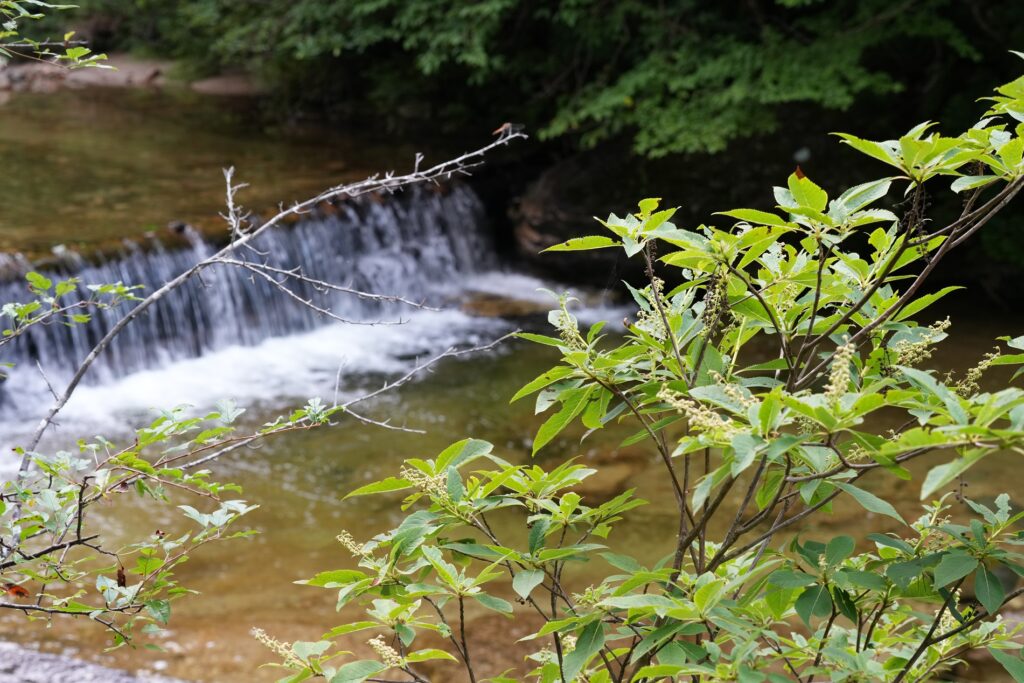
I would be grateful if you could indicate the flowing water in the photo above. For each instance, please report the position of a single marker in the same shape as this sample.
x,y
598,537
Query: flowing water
x,y
234,336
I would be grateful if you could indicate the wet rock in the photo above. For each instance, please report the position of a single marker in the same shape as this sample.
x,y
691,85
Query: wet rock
x,y
608,482
560,205
31,77
616,470
44,77
128,72
496,306
22,665
229,85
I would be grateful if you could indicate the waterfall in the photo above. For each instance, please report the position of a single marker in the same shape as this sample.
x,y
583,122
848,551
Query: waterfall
x,y
410,245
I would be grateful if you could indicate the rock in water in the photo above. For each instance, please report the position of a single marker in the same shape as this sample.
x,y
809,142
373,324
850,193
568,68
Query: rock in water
x,y
22,665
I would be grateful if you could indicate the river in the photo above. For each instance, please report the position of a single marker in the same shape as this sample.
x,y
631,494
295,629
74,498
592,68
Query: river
x,y
92,168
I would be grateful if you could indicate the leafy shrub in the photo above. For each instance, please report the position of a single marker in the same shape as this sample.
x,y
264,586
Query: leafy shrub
x,y
828,289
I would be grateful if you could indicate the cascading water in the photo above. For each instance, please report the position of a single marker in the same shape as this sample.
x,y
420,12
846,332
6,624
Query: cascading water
x,y
409,245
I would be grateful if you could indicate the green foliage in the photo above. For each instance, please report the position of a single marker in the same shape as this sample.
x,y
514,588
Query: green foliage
x,y
54,560
14,14
51,304
127,589
678,76
827,289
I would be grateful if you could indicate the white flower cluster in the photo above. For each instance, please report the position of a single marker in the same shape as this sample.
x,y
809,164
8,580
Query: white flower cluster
x,y
346,539
389,656
910,353
282,650
839,377
700,417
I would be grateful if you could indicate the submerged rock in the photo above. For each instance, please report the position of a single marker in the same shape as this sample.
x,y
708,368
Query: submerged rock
x,y
22,665
616,470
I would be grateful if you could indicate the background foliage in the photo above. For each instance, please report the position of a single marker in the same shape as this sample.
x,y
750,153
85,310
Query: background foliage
x,y
677,76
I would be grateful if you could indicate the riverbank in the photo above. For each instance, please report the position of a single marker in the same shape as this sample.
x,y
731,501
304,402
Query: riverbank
x,y
120,71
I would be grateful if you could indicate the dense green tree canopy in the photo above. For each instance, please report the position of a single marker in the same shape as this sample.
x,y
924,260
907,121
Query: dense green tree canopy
x,y
672,76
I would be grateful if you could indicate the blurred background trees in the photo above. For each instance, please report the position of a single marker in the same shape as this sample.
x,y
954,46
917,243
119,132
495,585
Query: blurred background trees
x,y
625,98
674,76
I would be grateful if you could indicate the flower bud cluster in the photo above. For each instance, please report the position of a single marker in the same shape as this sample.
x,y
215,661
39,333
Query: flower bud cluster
x,y
839,378
787,298
349,542
700,417
970,384
649,320
588,598
910,353
282,650
716,304
949,620
568,327
435,486
389,656
734,393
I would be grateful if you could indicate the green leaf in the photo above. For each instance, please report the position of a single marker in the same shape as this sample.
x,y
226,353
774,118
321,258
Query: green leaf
x,y
357,672
870,501
941,475
927,383
872,149
658,672
623,562
160,609
838,549
952,567
549,377
815,601
538,531
526,580
383,486
429,654
333,578
589,643
971,182
1013,665
757,217
38,281
306,649
787,578
902,573
461,452
406,633
844,603
572,406
862,579
708,595
807,193
454,486
494,603
638,602
859,196
988,589
892,542
584,243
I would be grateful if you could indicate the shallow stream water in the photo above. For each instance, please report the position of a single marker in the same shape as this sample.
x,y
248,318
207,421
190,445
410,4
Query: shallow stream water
x,y
91,168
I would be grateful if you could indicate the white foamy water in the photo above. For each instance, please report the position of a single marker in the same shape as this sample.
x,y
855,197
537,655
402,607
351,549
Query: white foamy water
x,y
278,373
